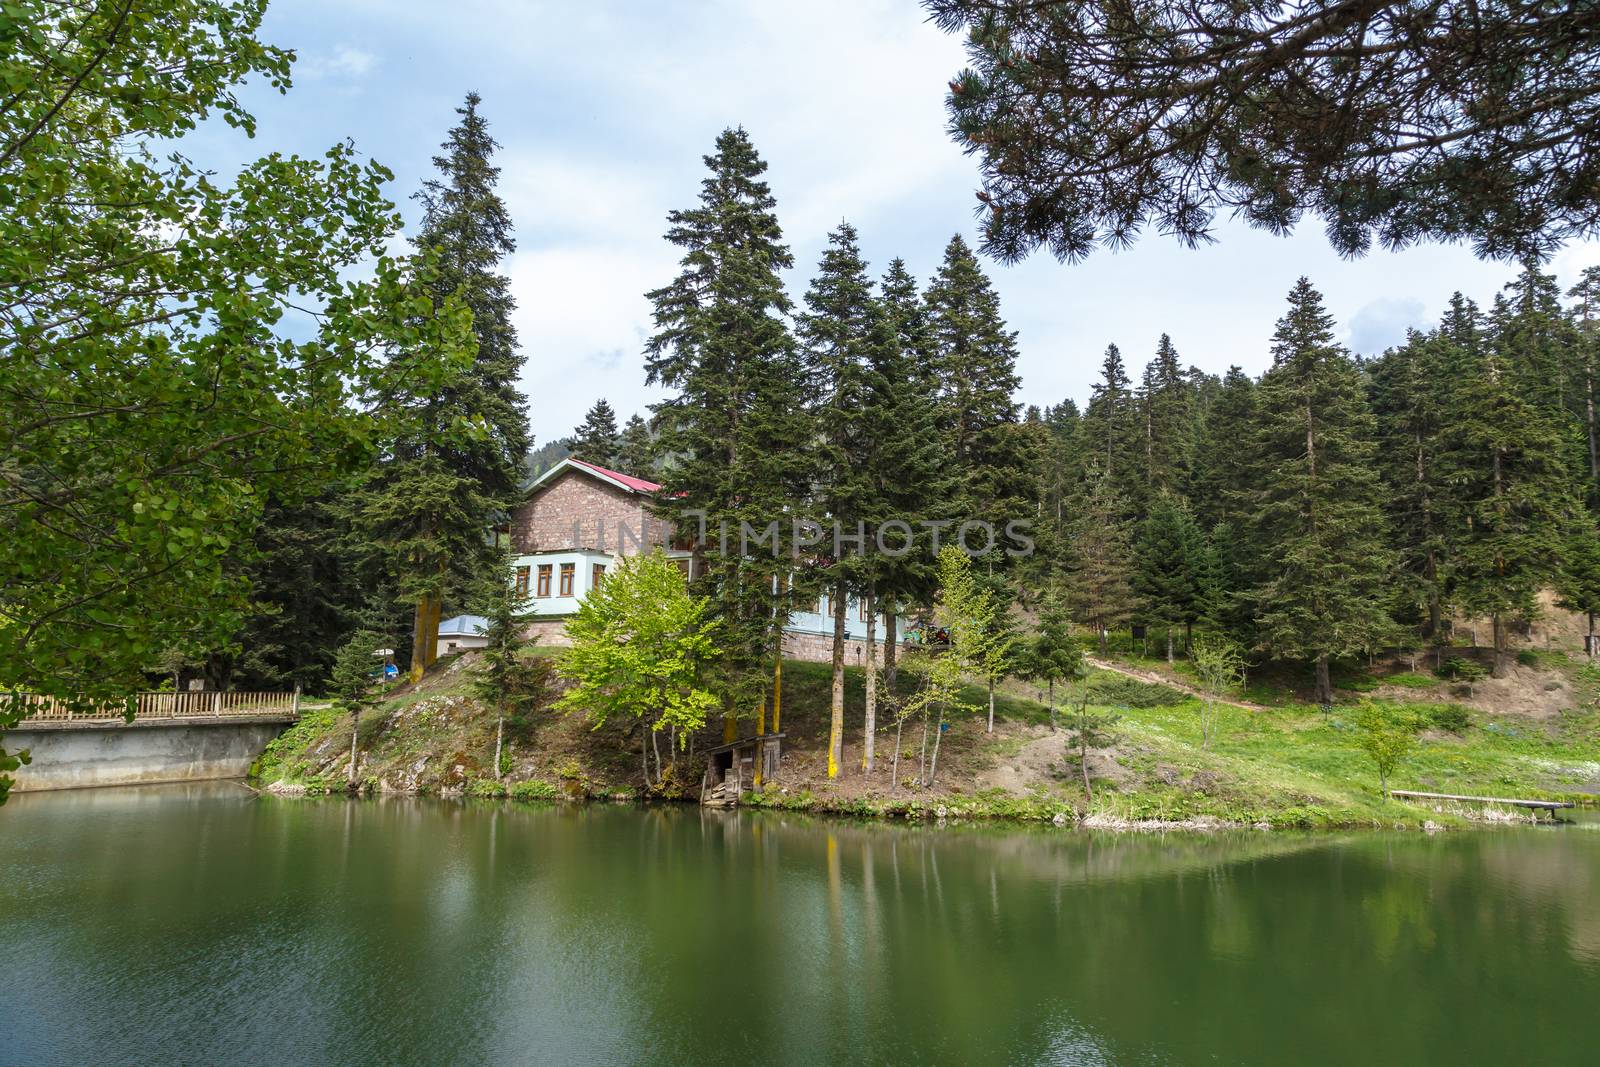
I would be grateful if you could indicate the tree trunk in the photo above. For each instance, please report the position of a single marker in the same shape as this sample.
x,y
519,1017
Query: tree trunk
x,y
894,773
922,761
836,722
1083,754
1052,705
355,732
499,743
891,651
938,735
1103,638
1324,681
655,746
869,740
1498,635
991,705
1170,657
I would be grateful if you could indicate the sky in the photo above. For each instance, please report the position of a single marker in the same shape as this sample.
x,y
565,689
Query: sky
x,y
605,108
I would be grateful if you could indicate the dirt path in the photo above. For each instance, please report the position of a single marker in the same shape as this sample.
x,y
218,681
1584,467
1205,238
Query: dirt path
x,y
1170,683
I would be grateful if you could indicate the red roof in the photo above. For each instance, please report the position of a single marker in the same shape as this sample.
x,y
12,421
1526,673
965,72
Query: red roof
x,y
638,485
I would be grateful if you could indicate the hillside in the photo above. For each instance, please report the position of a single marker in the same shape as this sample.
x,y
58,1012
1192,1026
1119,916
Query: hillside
x,y
1286,765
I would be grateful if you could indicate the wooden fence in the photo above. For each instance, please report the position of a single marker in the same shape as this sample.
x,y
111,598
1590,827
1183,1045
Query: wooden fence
x,y
181,705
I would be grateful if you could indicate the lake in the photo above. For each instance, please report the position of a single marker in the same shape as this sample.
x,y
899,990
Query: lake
x,y
202,925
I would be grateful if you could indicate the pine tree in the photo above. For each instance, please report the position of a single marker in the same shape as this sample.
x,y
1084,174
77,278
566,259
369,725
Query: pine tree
x,y
1168,567
976,357
596,440
1587,314
1102,561
1410,397
1318,526
1053,654
431,500
735,430
1505,457
1220,474
636,449
1109,424
844,335
911,477
1165,405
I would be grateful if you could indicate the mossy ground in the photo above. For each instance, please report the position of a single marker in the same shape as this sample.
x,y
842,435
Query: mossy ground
x,y
1292,764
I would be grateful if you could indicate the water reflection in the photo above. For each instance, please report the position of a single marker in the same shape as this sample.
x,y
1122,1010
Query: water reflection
x,y
202,924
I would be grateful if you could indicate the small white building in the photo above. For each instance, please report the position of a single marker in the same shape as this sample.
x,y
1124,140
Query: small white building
x,y
463,632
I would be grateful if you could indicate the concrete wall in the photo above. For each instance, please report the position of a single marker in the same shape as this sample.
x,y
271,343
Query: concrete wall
x,y
81,754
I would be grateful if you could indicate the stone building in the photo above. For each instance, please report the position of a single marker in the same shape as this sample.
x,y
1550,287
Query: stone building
x,y
579,518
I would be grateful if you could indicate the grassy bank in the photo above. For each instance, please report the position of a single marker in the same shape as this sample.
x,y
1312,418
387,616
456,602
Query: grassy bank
x,y
1290,765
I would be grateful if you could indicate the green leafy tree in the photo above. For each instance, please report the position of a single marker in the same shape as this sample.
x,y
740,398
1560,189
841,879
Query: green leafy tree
x,y
1579,582
1387,737
1393,122
1219,665
428,505
1318,527
1090,729
735,429
597,440
160,380
641,646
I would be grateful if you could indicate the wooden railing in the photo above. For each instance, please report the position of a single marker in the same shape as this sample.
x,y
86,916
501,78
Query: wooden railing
x,y
192,704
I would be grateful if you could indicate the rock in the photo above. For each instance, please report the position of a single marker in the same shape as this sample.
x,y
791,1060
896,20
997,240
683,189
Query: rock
x,y
287,789
1059,818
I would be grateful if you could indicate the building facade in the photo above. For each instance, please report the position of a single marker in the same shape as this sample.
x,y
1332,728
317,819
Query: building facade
x,y
579,518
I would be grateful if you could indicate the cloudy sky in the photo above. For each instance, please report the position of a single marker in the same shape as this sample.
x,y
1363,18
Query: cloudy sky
x,y
604,109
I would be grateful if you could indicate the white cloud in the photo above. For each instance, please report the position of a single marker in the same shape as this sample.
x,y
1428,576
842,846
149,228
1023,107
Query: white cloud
x,y
342,63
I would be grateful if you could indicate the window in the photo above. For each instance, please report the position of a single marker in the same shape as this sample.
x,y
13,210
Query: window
x,y
861,609
599,573
567,570
544,580
522,581
822,606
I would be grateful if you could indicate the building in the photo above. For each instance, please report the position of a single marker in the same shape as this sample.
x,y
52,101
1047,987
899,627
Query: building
x,y
463,632
579,518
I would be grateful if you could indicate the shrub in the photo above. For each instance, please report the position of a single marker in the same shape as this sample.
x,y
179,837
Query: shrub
x,y
532,790
1450,717
1528,658
1123,692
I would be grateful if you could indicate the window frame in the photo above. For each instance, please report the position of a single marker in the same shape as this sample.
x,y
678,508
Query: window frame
x,y
569,578
523,580
543,588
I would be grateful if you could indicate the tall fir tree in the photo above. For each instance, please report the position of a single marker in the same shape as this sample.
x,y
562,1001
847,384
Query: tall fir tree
x,y
735,430
844,336
1506,458
636,448
975,356
1220,473
431,501
1169,568
1317,522
1165,405
910,472
1410,388
597,440
1109,424
1586,315
1101,560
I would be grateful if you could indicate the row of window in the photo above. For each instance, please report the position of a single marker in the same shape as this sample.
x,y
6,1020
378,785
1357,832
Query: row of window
x,y
861,608
568,576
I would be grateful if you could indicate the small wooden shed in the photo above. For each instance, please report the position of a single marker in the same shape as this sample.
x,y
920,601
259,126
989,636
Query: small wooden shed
x,y
734,766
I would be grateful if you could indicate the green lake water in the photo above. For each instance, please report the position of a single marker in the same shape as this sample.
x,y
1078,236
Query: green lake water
x,y
201,925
